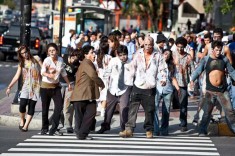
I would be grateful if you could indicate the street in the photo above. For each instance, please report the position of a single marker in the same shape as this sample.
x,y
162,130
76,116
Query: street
x,y
15,142
7,72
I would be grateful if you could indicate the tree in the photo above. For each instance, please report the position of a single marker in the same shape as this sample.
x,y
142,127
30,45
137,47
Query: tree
x,y
9,3
144,8
227,5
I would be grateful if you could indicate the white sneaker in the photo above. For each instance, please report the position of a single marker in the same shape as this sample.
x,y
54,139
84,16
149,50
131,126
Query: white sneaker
x,y
102,112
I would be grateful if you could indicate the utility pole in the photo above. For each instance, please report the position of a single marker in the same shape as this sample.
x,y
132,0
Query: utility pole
x,y
26,8
62,17
25,25
52,17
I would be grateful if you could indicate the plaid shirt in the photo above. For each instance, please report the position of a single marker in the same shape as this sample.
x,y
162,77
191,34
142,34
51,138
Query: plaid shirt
x,y
184,68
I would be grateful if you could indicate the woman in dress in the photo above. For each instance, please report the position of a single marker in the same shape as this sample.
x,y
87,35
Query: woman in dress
x,y
29,67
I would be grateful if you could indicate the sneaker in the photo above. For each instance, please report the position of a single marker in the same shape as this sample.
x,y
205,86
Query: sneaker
x,y
84,138
195,122
202,135
102,130
57,133
183,129
126,134
44,131
149,134
102,112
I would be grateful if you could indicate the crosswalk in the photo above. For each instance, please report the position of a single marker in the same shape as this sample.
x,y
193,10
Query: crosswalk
x,y
112,144
8,65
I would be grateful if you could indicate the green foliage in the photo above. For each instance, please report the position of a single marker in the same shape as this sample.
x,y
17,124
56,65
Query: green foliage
x,y
144,8
208,6
227,6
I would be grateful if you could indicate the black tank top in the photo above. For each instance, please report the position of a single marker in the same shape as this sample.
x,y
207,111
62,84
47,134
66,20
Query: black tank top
x,y
215,64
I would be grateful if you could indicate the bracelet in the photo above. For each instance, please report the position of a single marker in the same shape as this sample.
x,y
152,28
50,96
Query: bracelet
x,y
8,87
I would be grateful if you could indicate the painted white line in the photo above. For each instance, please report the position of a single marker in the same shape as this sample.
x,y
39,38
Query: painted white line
x,y
7,65
112,151
144,136
15,66
115,146
49,154
129,139
118,142
141,135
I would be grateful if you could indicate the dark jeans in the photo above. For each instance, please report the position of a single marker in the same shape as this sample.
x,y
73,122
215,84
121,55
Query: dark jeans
x,y
46,95
175,100
148,103
112,101
85,112
183,100
224,101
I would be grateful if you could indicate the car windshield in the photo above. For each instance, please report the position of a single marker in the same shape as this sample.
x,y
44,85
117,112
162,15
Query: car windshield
x,y
15,31
3,29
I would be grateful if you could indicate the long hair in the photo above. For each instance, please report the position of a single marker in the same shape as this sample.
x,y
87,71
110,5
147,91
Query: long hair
x,y
21,58
104,49
170,61
113,38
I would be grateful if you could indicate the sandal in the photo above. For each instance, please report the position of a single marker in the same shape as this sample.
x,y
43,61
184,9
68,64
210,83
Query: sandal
x,y
20,127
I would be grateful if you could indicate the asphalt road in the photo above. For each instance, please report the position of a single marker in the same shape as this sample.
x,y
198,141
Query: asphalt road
x,y
7,72
10,136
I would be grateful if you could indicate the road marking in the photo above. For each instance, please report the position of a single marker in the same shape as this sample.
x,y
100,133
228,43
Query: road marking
x,y
115,146
129,139
124,142
121,151
112,144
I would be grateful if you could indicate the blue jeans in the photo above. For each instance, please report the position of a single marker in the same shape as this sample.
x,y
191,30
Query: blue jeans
x,y
166,104
233,97
224,101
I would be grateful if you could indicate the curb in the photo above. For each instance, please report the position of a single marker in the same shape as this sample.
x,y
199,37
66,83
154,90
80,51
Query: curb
x,y
13,121
219,129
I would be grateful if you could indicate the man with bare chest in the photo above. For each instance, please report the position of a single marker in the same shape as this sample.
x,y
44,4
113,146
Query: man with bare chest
x,y
215,65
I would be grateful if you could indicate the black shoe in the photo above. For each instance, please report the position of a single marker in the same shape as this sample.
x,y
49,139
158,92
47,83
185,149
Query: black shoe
x,y
102,130
84,138
44,131
24,130
183,129
20,127
69,130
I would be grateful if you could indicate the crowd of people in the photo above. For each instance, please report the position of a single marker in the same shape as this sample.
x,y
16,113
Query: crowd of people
x,y
99,72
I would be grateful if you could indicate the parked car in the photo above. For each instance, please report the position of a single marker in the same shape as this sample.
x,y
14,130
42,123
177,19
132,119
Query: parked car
x,y
3,29
10,41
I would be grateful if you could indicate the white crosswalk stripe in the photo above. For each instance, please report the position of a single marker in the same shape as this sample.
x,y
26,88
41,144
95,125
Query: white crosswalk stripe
x,y
10,65
112,144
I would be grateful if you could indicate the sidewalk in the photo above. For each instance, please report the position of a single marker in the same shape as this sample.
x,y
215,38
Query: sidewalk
x,y
12,119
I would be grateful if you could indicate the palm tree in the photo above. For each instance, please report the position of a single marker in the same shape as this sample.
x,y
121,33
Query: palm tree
x,y
144,8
